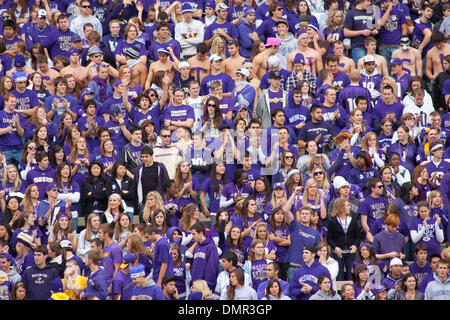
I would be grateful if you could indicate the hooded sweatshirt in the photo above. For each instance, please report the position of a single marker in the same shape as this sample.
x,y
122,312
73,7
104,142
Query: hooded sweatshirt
x,y
205,263
437,289
37,281
308,275
287,46
295,114
149,291
320,295
96,285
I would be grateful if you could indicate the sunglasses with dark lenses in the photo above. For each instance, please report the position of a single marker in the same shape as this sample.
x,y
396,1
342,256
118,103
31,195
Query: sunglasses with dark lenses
x,y
379,187
6,17
152,95
165,136
86,7
288,157
279,9
211,104
317,173
54,189
32,148
97,56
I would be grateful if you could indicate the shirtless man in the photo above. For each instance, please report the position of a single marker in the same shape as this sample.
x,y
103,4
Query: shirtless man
x,y
260,66
412,61
163,64
380,61
48,74
199,63
19,66
235,61
80,73
346,65
96,57
435,56
313,59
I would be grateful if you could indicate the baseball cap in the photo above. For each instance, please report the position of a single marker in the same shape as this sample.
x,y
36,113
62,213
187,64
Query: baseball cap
x,y
274,75
85,91
210,4
132,52
272,42
184,64
51,186
379,289
243,71
310,248
114,110
282,21
66,244
72,51
273,61
215,57
221,6
279,185
369,58
241,106
127,259
94,49
249,10
41,13
20,76
395,262
223,126
186,8
340,182
19,61
76,37
163,50
56,285
299,58
396,61
137,271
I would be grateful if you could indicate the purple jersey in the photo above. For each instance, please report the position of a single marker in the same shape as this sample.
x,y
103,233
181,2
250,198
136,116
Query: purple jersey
x,y
230,191
264,84
373,208
418,36
10,140
161,256
59,43
124,45
429,236
402,84
371,82
382,109
348,95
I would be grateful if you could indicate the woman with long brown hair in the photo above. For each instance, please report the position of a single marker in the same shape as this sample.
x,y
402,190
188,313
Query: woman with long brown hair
x,y
237,289
136,246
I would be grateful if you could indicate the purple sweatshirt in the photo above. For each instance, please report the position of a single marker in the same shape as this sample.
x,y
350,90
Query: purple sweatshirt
x,y
308,275
96,285
205,263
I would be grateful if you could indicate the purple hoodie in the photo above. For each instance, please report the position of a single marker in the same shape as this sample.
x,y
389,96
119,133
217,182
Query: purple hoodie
x,y
308,275
205,263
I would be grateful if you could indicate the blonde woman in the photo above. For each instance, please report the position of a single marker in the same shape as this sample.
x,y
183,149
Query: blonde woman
x,y
88,234
153,202
262,233
202,287
115,208
370,144
218,47
12,185
174,11
278,199
314,198
334,30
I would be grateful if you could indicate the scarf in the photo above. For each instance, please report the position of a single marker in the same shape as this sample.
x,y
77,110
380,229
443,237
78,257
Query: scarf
x,y
102,88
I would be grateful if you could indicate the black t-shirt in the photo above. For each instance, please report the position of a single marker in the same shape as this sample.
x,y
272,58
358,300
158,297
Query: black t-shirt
x,y
311,130
149,178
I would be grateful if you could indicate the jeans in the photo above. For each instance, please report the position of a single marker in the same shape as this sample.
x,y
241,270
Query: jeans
x,y
13,156
386,52
358,53
347,263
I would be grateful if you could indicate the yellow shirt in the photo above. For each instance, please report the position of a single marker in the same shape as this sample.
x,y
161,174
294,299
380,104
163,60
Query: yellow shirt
x,y
79,283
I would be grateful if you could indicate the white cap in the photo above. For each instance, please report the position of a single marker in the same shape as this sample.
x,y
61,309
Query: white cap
x,y
184,64
243,71
215,57
395,262
369,58
273,61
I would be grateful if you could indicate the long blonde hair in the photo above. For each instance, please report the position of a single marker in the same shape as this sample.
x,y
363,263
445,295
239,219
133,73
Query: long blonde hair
x,y
330,24
215,47
75,152
273,201
147,212
88,234
258,226
202,286
310,182
17,182
365,142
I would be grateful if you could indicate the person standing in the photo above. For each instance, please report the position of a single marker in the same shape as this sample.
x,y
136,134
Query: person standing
x,y
160,254
11,131
97,288
77,24
112,253
189,32
38,277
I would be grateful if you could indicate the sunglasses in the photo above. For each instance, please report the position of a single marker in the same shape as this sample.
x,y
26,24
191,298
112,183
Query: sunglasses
x,y
98,56
152,95
6,17
165,136
317,173
86,7
211,105
279,9
379,187
32,148
289,157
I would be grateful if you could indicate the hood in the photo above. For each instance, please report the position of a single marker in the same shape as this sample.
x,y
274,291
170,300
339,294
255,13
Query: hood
x,y
168,39
314,265
206,242
289,38
436,278
363,72
169,233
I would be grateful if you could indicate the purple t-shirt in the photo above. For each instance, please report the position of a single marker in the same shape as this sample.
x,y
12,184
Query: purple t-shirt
x,y
391,32
276,99
161,256
230,191
225,79
111,254
429,237
382,109
179,113
373,208
123,285
26,100
357,20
